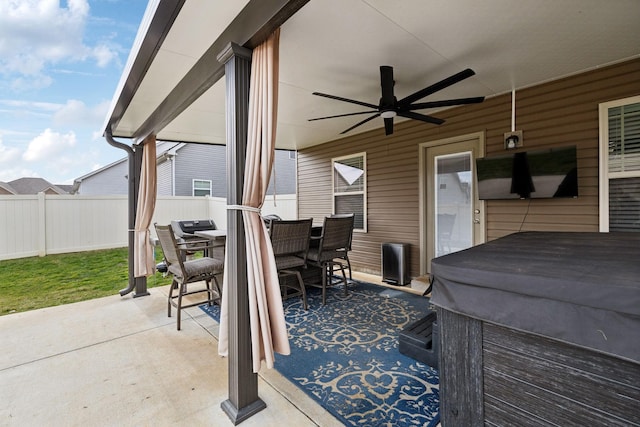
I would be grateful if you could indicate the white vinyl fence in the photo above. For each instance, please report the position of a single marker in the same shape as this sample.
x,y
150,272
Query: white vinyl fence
x,y
52,224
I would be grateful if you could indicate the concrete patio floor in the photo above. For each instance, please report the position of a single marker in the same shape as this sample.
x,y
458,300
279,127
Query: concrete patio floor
x,y
120,361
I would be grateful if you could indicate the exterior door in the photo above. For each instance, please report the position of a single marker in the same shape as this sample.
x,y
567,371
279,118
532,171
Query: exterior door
x,y
454,215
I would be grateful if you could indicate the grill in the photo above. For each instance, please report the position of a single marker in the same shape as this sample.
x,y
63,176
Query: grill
x,y
185,229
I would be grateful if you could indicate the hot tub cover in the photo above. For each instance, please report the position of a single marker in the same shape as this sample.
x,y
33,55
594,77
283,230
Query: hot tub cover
x,y
580,288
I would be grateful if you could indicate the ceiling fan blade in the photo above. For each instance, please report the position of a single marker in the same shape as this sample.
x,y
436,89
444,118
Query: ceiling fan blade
x,y
351,101
388,126
360,123
342,115
445,103
465,74
421,117
386,82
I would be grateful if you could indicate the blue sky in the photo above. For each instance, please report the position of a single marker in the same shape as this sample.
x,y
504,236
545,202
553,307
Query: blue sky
x,y
60,63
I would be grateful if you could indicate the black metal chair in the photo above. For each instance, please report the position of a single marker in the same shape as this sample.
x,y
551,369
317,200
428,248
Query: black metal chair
x,y
348,248
196,270
331,250
290,241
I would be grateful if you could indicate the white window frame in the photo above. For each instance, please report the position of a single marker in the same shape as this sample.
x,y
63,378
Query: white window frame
x,y
193,187
335,194
604,175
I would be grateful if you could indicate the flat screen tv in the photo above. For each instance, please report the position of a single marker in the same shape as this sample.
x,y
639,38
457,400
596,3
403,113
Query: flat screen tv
x,y
534,174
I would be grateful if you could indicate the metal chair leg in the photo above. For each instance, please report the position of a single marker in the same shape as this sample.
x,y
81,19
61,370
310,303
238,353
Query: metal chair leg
x,y
179,308
324,283
302,289
169,301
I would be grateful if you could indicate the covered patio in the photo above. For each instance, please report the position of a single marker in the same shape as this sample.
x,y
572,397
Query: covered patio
x,y
188,75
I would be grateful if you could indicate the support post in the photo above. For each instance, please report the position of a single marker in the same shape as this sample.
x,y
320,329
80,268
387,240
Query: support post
x,y
42,224
243,399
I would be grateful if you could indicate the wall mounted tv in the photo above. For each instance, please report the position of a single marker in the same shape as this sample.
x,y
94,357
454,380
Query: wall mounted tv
x,y
534,174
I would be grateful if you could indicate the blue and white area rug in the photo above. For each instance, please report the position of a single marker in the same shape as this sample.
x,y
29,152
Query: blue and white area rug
x,y
345,356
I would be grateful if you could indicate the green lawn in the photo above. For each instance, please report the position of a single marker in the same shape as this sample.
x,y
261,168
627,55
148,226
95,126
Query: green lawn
x,y
31,283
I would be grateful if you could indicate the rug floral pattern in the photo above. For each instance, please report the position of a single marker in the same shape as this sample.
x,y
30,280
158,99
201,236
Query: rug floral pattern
x,y
345,356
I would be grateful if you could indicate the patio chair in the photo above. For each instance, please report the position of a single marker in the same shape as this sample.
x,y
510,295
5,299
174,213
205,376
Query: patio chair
x,y
184,272
290,241
331,250
348,249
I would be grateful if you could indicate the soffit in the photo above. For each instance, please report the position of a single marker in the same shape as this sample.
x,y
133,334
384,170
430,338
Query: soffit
x,y
336,47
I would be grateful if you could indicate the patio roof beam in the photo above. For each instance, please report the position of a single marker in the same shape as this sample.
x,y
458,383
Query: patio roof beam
x,y
163,18
251,27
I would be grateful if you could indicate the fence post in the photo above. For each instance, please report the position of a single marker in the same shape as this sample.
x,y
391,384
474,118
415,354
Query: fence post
x,y
42,225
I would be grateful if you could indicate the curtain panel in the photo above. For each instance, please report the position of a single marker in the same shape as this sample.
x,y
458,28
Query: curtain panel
x,y
143,258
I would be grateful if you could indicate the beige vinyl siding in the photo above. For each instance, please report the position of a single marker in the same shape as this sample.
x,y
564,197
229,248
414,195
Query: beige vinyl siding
x,y
562,112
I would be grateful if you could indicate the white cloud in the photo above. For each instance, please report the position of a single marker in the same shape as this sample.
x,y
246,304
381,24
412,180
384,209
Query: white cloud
x,y
104,55
77,112
10,168
35,33
9,174
49,145
8,155
30,109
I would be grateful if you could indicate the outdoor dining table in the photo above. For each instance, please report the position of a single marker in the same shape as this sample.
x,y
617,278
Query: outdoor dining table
x,y
217,237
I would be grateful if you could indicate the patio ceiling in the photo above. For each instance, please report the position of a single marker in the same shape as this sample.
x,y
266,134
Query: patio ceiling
x,y
337,46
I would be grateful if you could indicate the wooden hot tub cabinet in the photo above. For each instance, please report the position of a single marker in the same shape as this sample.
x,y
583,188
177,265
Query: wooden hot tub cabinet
x,y
540,329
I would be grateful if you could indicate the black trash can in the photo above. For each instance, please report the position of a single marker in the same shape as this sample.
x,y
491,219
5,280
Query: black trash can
x,y
395,263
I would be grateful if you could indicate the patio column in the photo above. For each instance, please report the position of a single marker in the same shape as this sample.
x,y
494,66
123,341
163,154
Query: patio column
x,y
243,399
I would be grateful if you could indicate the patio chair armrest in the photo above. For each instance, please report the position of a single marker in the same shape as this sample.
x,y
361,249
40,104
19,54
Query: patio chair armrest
x,y
195,245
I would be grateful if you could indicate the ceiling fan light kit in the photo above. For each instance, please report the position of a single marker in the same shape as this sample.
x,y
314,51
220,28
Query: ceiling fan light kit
x,y
389,107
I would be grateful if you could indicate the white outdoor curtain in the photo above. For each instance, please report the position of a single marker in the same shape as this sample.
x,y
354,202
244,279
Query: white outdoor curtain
x,y
143,259
268,327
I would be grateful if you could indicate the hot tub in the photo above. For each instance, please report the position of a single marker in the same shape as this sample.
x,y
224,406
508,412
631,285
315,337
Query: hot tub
x,y
539,328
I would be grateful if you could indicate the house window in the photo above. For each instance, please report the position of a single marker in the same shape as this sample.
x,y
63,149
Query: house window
x,y
201,187
620,165
349,184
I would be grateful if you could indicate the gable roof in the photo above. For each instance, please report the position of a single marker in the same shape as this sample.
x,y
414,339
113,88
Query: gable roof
x,y
6,188
163,148
32,185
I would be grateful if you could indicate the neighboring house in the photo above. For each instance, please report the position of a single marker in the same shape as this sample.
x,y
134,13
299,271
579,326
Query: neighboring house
x,y
5,189
32,186
186,170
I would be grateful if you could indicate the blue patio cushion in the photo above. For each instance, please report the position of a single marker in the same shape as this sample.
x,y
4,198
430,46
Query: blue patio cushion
x,y
201,267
